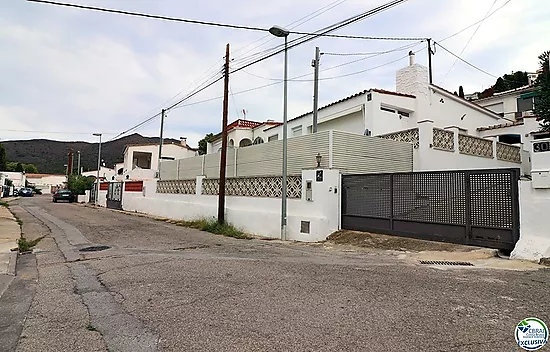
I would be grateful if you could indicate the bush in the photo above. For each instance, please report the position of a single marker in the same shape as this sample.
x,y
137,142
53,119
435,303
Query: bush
x,y
79,184
212,226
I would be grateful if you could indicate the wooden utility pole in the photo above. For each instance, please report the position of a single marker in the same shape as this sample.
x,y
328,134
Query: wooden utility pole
x,y
223,157
430,53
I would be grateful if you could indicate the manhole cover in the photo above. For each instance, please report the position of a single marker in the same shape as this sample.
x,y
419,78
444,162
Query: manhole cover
x,y
190,247
444,262
94,248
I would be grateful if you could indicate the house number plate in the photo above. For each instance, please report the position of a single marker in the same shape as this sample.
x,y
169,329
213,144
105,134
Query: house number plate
x,y
541,147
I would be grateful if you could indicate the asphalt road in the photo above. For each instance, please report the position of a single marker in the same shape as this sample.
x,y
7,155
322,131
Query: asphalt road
x,y
168,288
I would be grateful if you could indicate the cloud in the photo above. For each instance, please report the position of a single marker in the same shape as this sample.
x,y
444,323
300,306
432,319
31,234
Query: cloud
x,y
76,71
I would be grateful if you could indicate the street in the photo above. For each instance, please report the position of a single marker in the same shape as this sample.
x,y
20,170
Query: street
x,y
163,287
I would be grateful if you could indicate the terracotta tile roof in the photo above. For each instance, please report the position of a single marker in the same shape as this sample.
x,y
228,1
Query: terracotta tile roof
x,y
165,143
502,125
42,175
240,123
383,91
508,92
467,102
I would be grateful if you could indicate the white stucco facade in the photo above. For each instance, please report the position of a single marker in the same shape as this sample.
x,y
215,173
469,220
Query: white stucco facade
x,y
141,161
104,172
46,182
506,103
253,215
18,178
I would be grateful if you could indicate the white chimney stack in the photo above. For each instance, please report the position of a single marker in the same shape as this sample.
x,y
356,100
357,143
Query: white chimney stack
x,y
183,141
411,58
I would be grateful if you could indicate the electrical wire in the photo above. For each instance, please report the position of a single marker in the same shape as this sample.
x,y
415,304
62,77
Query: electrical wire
x,y
206,23
374,53
466,62
321,32
52,132
326,30
409,46
297,23
473,24
469,40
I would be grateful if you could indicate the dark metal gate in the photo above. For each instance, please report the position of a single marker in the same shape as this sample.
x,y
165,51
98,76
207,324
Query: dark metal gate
x,y
114,195
474,207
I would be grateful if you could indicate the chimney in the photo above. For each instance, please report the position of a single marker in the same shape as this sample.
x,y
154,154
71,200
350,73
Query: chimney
x,y
411,58
269,120
183,141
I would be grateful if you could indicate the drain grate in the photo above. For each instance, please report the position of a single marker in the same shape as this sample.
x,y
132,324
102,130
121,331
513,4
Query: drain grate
x,y
444,262
94,248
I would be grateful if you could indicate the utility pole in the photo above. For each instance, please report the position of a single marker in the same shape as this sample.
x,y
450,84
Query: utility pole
x,y
430,53
78,171
223,156
315,65
70,163
161,140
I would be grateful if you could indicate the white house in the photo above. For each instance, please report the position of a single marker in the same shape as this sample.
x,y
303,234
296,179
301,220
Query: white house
x,y
430,117
18,178
105,173
46,182
242,133
141,160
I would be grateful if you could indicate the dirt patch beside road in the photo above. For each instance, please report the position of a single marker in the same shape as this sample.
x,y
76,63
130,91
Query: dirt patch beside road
x,y
398,243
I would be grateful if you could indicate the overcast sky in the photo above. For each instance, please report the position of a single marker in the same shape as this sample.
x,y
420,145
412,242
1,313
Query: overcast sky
x,y
79,72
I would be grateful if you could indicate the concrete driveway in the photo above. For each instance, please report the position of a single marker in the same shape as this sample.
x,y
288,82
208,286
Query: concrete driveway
x,y
168,288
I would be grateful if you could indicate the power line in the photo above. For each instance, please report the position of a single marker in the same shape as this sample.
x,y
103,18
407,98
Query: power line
x,y
469,40
372,54
409,46
51,132
466,62
146,15
313,14
296,79
473,24
206,23
326,30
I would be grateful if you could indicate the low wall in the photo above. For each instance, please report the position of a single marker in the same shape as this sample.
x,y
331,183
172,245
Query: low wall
x,y
255,215
534,241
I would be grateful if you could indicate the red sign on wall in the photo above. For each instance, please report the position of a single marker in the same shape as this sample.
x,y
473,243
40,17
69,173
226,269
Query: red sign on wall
x,y
104,186
133,186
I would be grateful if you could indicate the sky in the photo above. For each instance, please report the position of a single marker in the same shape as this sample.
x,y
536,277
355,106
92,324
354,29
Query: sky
x,y
67,73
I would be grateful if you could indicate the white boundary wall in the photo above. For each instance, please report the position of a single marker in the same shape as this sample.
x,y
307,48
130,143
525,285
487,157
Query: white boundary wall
x,y
534,240
253,215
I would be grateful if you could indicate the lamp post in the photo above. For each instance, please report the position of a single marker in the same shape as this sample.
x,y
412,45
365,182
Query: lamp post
x,y
98,167
283,33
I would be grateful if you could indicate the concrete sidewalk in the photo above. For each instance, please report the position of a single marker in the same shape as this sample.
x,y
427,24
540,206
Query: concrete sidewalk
x,y
9,234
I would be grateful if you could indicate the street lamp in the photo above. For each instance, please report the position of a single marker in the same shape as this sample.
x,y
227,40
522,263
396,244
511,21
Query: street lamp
x,y
98,167
283,33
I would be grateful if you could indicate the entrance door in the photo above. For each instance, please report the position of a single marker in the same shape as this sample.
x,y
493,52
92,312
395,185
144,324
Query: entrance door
x,y
114,195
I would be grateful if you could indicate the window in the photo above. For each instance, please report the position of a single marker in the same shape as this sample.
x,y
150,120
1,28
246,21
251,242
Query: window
x,y
258,140
273,138
369,97
525,104
297,131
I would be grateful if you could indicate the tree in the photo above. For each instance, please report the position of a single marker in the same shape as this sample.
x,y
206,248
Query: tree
x,y
542,84
79,184
461,92
204,142
30,169
3,161
19,168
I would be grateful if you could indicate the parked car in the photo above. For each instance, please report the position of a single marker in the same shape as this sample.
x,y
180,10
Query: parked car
x,y
25,192
64,194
